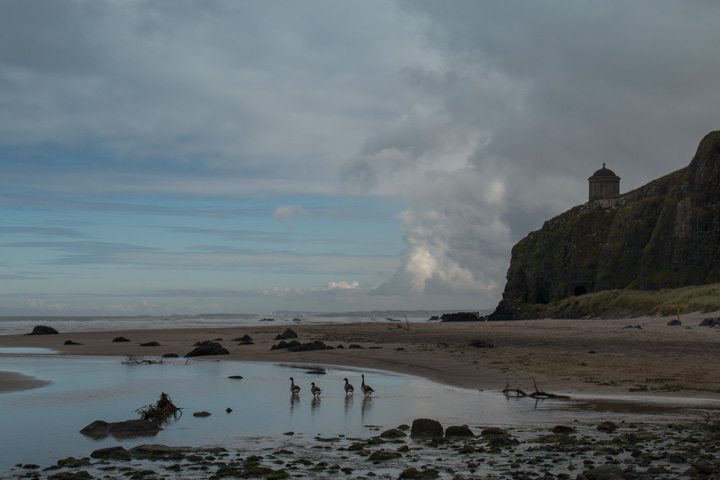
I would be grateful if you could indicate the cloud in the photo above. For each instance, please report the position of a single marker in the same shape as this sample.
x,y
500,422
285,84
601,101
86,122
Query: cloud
x,y
287,212
528,101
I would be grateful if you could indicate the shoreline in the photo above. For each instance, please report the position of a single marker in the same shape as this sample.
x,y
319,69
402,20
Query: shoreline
x,y
562,356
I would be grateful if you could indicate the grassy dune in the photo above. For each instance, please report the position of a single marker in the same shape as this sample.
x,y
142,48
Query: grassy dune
x,y
631,303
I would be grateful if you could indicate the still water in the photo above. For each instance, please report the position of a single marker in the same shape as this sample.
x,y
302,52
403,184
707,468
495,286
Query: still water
x,y
42,425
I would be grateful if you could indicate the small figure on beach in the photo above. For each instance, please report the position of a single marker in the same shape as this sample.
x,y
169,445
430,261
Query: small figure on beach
x,y
366,389
294,389
349,389
315,389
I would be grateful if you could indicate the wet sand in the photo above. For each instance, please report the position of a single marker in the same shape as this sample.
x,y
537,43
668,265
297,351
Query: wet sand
x,y
562,356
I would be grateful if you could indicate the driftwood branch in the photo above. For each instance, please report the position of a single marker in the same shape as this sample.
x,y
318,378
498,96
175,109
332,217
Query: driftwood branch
x,y
539,394
509,392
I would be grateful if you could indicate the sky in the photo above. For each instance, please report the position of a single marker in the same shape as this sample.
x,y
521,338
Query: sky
x,y
182,157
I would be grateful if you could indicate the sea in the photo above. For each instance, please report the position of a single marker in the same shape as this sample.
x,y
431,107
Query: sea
x,y
24,324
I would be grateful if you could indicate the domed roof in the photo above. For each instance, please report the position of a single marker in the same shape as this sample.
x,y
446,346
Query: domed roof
x,y
604,172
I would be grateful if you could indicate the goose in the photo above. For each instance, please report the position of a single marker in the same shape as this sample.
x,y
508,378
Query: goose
x,y
295,389
315,389
348,387
366,389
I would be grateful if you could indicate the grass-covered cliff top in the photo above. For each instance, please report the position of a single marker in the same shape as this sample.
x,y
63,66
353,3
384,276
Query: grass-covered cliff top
x,y
630,303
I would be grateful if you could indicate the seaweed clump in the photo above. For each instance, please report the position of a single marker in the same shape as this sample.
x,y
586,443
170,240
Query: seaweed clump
x,y
161,412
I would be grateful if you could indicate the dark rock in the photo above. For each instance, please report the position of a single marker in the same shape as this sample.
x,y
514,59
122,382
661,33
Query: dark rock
x,y
70,342
382,455
673,323
492,431
120,339
244,338
502,441
287,334
150,344
306,347
267,319
562,429
236,377
604,472
459,431
355,345
208,348
636,327
43,330
705,467
79,475
608,427
661,235
171,355
393,433
426,427
157,448
460,317
202,414
111,452
285,345
128,428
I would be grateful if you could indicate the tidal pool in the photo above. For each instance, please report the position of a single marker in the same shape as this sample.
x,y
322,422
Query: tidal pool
x,y
44,423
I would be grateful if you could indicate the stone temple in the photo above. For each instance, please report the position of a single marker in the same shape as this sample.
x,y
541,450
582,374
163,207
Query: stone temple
x,y
603,184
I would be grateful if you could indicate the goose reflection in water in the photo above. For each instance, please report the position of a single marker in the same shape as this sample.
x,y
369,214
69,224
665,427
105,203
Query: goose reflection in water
x,y
315,403
348,404
366,404
294,399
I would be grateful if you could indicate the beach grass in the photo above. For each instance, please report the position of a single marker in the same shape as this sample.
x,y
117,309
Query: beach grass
x,y
627,303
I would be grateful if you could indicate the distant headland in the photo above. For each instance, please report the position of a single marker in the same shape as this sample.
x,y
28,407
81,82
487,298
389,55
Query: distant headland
x,y
663,235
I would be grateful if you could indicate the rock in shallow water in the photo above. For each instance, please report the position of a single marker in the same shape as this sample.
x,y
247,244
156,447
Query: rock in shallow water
x,y
128,428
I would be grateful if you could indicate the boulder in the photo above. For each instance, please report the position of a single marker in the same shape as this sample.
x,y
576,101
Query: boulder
x,y
128,428
562,429
285,345
710,322
111,452
460,317
202,414
244,338
171,355
150,344
608,427
306,347
675,322
493,431
70,342
382,455
426,427
120,339
287,334
393,433
459,431
208,348
43,330
604,472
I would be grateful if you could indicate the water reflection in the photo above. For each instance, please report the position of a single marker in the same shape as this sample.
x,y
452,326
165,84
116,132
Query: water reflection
x,y
294,400
85,389
366,404
348,404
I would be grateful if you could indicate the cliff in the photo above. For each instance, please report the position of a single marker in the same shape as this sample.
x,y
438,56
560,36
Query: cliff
x,y
665,234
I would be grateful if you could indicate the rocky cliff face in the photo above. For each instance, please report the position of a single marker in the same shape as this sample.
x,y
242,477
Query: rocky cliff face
x,y
665,234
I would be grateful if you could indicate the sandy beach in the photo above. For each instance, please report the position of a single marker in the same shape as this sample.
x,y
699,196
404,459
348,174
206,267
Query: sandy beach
x,y
562,356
